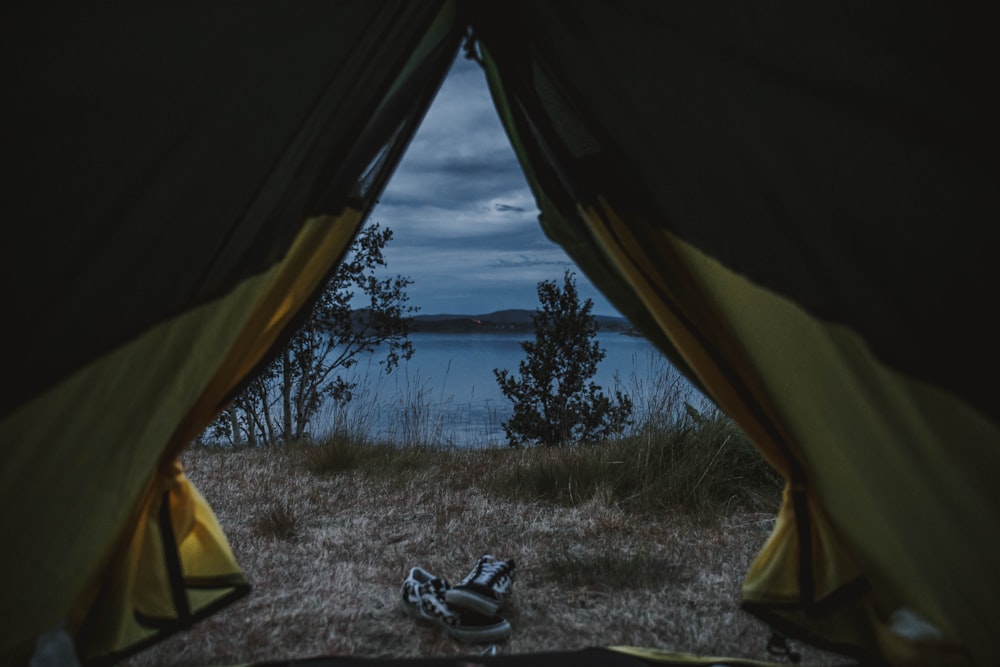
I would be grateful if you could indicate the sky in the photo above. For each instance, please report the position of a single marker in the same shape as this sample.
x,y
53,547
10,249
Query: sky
x,y
465,225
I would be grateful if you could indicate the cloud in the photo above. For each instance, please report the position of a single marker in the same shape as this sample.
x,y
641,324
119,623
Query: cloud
x,y
503,208
460,153
453,185
464,220
523,260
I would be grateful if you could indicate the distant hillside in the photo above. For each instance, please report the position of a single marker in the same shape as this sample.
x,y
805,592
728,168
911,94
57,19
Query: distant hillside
x,y
501,320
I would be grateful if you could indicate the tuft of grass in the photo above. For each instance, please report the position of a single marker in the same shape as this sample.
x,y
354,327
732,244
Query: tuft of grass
x,y
418,424
567,475
342,452
681,452
278,519
703,462
695,460
338,452
700,462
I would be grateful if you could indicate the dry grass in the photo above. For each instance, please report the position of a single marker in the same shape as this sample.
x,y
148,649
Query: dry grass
x,y
327,551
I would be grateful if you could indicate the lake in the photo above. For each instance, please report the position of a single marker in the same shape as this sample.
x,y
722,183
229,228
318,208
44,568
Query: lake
x,y
447,393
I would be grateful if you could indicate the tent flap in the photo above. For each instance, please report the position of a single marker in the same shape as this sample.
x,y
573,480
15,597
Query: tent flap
x,y
800,229
179,201
794,201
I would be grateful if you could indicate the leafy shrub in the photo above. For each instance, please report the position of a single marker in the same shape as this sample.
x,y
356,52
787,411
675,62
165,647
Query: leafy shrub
x,y
555,401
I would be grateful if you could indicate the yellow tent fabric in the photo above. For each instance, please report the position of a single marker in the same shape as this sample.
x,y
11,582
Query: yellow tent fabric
x,y
177,568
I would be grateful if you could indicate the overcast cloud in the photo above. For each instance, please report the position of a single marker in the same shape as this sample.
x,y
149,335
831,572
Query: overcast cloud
x,y
464,221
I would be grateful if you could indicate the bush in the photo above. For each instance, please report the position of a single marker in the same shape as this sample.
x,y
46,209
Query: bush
x,y
699,462
555,401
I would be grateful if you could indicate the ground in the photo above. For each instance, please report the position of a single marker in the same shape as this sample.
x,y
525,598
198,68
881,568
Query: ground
x,y
327,555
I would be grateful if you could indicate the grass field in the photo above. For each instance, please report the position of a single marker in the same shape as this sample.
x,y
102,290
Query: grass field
x,y
640,542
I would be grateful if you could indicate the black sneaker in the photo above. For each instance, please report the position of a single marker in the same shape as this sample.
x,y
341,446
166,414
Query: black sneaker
x,y
486,589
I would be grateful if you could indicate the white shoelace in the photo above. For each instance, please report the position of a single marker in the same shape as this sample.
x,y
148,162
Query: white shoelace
x,y
488,570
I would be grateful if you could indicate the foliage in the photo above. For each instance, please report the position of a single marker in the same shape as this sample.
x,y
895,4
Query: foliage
x,y
555,401
341,452
695,460
279,404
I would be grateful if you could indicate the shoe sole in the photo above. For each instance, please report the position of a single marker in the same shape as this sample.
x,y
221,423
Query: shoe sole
x,y
475,634
472,601
480,634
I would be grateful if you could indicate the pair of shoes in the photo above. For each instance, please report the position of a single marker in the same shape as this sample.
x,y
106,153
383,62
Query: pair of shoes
x,y
424,599
467,612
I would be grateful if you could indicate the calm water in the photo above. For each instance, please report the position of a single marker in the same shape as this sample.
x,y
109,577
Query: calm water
x,y
447,392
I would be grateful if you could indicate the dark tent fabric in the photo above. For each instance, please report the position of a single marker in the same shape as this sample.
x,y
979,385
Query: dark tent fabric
x,y
794,201
183,179
796,195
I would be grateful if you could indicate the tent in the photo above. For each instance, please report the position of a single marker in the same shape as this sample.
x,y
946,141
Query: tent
x,y
794,201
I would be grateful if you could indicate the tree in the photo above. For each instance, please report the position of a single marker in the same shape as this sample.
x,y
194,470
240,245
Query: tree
x,y
280,403
555,401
